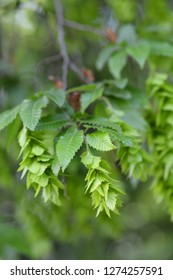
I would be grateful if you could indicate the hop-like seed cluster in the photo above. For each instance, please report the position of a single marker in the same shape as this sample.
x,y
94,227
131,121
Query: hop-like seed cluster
x,y
134,160
104,190
161,122
37,162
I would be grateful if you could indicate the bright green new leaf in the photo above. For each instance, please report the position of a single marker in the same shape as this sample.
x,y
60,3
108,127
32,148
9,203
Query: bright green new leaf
x,y
40,180
89,160
97,182
22,137
51,192
30,111
100,141
139,52
111,200
88,98
8,116
57,96
55,166
38,168
68,145
116,63
37,150
13,131
168,161
102,122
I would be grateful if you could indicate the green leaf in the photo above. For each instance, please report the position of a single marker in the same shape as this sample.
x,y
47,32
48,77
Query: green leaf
x,y
89,160
104,56
168,107
52,122
68,145
37,150
122,83
40,180
57,96
116,63
111,201
51,192
38,168
89,97
139,52
168,160
161,48
55,166
13,131
96,199
115,135
102,122
100,141
97,182
157,79
89,87
8,116
30,111
23,137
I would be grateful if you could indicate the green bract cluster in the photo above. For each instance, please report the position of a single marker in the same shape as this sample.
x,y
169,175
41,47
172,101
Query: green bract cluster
x,y
105,192
161,121
134,160
37,153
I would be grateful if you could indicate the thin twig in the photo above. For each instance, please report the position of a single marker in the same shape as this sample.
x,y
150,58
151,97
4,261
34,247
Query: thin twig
x,y
67,63
77,71
61,40
44,61
83,27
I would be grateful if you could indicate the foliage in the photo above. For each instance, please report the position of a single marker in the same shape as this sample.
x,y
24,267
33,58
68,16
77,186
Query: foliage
x,y
102,98
161,137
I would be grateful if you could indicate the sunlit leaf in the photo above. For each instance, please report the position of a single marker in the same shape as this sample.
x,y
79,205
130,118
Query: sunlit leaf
x,y
100,141
68,145
8,116
30,111
116,63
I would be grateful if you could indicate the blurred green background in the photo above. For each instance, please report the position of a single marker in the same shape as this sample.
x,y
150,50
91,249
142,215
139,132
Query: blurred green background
x,y
30,229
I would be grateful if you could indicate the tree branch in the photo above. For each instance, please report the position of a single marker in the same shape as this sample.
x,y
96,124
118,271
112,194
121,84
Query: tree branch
x,y
61,40
67,63
78,72
83,27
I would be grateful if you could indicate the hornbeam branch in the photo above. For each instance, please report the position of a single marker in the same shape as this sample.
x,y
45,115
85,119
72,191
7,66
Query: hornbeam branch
x,y
61,40
83,27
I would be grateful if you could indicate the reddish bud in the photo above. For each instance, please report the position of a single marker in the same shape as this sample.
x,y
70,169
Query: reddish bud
x,y
58,83
88,74
111,35
74,100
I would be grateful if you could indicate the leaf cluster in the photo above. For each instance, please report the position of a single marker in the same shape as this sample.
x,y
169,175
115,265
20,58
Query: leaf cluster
x,y
161,120
116,56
